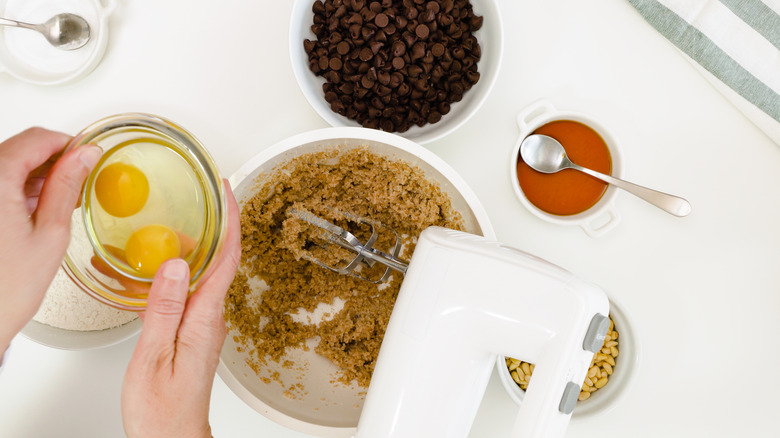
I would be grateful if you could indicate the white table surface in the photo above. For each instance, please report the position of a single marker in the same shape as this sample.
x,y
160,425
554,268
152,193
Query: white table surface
x,y
702,291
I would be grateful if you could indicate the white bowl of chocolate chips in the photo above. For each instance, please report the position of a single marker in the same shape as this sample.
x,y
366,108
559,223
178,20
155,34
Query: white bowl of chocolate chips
x,y
417,68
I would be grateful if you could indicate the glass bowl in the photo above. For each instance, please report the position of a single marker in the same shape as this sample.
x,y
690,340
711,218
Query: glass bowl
x,y
185,194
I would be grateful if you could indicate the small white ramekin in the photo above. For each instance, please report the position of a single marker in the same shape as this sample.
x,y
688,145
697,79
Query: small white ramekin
x,y
596,220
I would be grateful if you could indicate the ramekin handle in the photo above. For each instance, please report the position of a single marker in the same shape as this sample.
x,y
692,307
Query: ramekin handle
x,y
533,112
108,6
599,225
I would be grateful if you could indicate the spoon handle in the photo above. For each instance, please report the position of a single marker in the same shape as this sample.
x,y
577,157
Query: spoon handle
x,y
669,203
14,23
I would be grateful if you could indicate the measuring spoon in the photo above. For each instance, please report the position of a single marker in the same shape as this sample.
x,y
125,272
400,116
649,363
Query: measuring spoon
x,y
545,154
63,31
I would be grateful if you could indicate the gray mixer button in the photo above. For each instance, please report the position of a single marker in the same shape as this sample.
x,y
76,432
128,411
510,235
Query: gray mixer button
x,y
569,399
597,331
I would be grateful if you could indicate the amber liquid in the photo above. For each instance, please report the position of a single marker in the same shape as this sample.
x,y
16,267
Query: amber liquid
x,y
569,191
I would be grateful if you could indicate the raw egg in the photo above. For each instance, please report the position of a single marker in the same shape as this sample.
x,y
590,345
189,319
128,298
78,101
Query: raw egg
x,y
121,189
148,247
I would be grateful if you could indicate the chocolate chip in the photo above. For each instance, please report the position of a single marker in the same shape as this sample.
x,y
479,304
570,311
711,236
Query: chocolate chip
x,y
376,46
338,107
367,32
394,64
418,50
437,49
332,77
371,73
409,38
396,79
381,20
354,31
422,31
342,48
475,23
427,16
335,64
387,125
367,82
357,5
323,62
367,14
399,48
383,90
366,54
458,53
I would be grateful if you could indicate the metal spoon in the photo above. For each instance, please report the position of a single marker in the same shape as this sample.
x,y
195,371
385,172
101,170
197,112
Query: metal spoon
x,y
63,31
545,154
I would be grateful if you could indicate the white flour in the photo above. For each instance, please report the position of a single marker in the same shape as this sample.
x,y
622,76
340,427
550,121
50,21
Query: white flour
x,y
68,307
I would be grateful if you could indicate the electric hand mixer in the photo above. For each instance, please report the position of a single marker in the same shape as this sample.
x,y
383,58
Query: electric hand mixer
x,y
466,300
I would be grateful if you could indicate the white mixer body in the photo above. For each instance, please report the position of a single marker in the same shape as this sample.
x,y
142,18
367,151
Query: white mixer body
x,y
464,302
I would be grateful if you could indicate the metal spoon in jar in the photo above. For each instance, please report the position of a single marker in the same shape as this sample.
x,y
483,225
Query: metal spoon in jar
x,y
63,31
545,154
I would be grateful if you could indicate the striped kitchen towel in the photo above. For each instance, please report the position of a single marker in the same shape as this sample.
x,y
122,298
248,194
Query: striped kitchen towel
x,y
734,43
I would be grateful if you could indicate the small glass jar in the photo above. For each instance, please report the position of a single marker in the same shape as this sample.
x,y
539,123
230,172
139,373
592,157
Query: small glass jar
x,y
185,193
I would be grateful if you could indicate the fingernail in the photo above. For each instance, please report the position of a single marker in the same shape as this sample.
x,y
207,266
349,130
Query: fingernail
x,y
89,155
175,269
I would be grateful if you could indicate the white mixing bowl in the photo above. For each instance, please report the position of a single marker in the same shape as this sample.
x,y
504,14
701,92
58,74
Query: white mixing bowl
x,y
328,409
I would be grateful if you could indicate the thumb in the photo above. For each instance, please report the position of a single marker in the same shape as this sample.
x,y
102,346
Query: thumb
x,y
62,188
165,306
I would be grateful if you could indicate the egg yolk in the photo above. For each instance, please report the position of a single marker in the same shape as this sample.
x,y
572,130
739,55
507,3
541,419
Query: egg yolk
x,y
148,247
121,189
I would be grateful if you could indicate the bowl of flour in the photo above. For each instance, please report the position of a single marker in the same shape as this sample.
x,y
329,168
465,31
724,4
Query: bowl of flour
x,y
69,319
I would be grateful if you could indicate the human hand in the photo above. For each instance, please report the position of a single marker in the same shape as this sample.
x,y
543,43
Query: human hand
x,y
168,383
38,192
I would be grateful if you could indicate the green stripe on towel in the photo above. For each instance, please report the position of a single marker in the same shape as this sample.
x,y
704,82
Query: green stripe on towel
x,y
701,49
758,16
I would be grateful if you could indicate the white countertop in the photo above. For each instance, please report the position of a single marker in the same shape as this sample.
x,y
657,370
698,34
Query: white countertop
x,y
702,291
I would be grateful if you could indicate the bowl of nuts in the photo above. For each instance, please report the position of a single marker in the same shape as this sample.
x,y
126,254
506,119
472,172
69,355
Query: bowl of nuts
x,y
610,374
417,68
